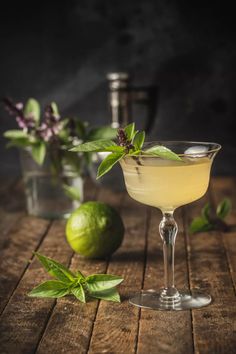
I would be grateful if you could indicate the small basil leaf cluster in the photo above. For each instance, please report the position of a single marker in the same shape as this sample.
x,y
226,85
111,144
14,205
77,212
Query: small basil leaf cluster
x,y
212,219
97,286
129,142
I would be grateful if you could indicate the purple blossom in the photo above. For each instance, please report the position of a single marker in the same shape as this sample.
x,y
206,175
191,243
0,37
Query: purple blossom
x,y
48,130
26,123
51,126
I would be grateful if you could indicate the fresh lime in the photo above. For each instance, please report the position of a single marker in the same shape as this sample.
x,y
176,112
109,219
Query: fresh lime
x,y
95,230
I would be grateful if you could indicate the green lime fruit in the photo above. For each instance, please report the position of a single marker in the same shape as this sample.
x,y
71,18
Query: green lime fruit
x,y
95,230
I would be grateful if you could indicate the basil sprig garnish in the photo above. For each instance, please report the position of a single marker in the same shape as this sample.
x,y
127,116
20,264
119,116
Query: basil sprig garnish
x,y
97,286
129,143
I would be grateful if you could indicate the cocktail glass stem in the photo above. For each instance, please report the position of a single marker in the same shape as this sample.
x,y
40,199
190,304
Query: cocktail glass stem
x,y
168,230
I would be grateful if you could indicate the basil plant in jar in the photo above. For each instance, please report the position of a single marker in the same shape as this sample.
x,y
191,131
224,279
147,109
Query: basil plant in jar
x,y
53,176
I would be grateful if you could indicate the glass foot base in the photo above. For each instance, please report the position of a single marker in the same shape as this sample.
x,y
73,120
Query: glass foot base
x,y
186,301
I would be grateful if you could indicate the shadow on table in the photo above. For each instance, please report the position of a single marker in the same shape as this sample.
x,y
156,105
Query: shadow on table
x,y
136,256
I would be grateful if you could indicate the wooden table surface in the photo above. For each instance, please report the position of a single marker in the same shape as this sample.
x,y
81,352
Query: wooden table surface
x,y
206,260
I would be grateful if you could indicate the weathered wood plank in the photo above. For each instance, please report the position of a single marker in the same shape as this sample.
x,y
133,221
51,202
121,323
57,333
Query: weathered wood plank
x,y
116,326
221,188
71,323
213,326
16,252
24,319
12,208
161,331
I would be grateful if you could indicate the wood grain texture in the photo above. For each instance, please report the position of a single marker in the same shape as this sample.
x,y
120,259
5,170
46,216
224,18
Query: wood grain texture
x,y
67,326
226,187
24,319
23,238
214,325
116,326
165,332
12,208
71,323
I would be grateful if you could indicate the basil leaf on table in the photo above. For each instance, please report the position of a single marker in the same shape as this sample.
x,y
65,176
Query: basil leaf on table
x,y
200,224
100,282
211,219
50,288
79,293
97,286
224,208
56,269
108,295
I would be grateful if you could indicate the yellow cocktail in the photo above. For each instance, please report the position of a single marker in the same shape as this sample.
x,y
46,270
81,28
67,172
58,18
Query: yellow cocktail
x,y
166,184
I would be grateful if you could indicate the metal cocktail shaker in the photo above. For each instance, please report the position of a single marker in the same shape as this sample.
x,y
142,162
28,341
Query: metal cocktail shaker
x,y
122,97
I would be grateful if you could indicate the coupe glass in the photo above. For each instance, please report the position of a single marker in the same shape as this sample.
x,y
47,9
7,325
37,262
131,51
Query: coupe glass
x,y
167,185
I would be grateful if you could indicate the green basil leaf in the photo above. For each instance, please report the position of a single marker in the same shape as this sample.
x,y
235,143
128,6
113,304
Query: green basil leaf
x,y
108,295
32,107
79,293
200,224
206,211
71,192
15,134
163,153
55,109
224,208
105,132
80,128
107,164
38,152
115,148
100,282
79,275
130,131
56,269
22,142
50,288
94,146
139,140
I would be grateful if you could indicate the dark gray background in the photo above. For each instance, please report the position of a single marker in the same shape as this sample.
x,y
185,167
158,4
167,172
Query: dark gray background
x,y
62,52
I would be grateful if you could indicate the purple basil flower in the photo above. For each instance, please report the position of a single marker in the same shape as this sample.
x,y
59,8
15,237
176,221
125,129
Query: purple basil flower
x,y
21,123
26,123
51,125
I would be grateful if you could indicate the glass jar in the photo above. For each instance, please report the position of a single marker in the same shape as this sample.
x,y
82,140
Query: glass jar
x,y
49,194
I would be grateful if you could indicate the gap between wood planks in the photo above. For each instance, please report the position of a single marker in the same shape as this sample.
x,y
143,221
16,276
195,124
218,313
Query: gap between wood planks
x,y
214,204
106,268
213,325
12,215
144,272
26,267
